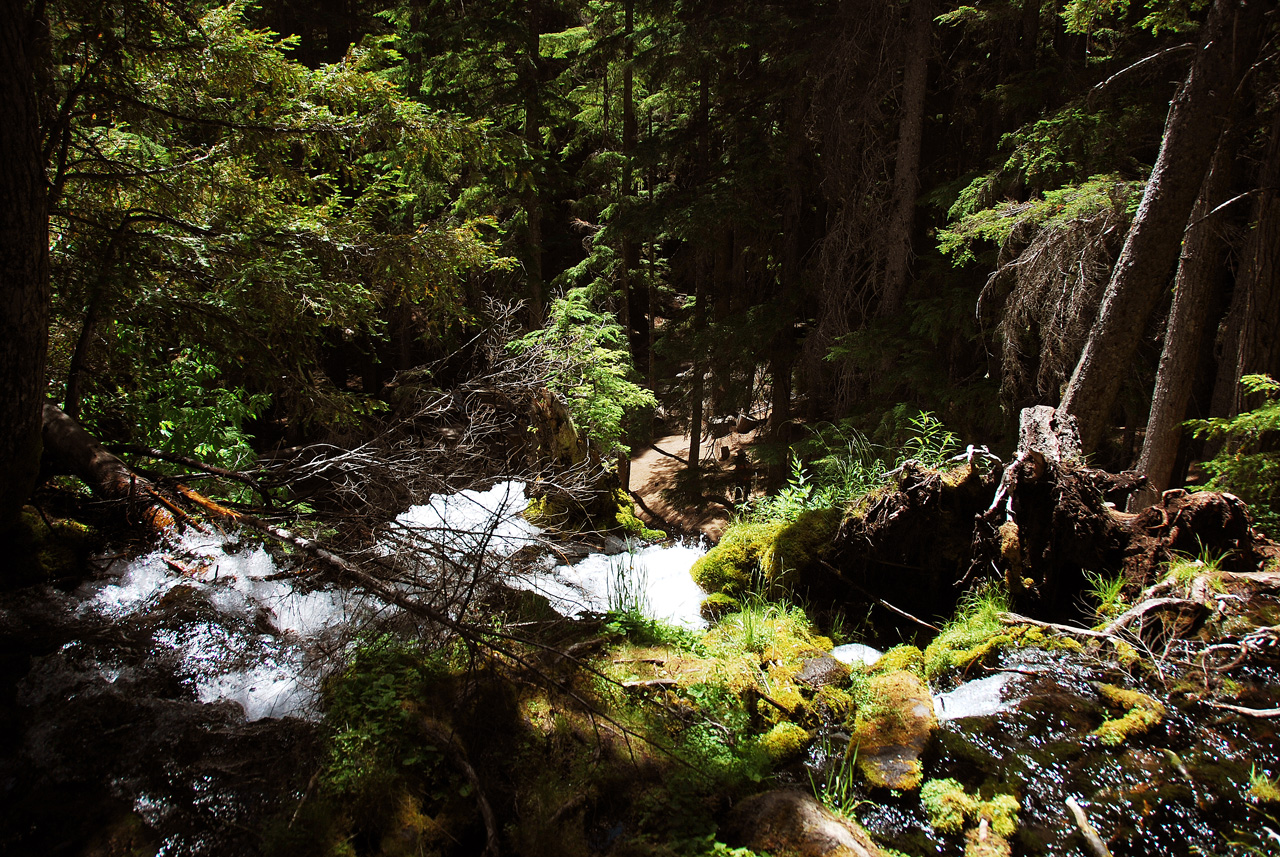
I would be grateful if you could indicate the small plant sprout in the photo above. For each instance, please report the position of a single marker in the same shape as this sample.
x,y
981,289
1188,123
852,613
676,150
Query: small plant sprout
x,y
837,788
1106,593
627,588
1262,788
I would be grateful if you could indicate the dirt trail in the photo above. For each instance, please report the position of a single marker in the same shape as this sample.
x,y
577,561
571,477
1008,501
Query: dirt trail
x,y
656,478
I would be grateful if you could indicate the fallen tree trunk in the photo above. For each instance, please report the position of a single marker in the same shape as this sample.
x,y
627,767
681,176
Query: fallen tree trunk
x,y
68,448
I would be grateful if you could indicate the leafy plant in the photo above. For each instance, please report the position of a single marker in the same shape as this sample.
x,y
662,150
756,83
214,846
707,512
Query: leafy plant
x,y
587,362
626,590
1055,208
838,788
1249,463
184,408
1106,592
370,707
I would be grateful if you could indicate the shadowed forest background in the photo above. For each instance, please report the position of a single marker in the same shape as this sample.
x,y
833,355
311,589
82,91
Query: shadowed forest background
x,y
297,267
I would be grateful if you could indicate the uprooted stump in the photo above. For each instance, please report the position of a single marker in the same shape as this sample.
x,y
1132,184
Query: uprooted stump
x,y
1051,523
1204,524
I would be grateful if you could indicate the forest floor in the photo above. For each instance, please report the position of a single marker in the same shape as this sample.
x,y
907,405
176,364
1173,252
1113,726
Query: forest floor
x,y
661,481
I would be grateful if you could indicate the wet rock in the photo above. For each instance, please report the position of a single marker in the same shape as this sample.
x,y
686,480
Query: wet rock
x,y
822,671
856,653
892,731
979,698
788,821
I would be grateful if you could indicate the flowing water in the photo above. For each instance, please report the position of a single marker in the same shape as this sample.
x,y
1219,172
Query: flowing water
x,y
172,705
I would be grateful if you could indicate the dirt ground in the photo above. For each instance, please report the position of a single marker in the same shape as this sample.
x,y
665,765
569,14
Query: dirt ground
x,y
659,480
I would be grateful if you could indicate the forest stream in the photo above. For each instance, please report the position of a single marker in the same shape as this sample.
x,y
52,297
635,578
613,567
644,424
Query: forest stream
x,y
173,705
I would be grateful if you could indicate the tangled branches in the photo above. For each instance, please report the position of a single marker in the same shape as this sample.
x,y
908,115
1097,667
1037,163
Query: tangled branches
x,y
1043,297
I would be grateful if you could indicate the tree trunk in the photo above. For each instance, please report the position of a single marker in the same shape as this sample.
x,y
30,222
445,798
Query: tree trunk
x,y
907,166
24,261
532,200
699,392
635,287
1228,44
1193,292
72,449
1247,342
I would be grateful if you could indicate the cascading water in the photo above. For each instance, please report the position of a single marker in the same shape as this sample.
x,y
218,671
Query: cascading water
x,y
182,688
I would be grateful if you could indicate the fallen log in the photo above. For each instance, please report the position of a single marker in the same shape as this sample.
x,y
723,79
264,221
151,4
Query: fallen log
x,y
69,448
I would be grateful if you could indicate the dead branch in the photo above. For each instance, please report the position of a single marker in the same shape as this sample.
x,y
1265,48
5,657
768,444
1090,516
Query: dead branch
x,y
1018,619
1092,840
1138,611
1240,709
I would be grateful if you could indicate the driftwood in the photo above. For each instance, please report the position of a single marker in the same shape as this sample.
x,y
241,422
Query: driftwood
x,y
1092,840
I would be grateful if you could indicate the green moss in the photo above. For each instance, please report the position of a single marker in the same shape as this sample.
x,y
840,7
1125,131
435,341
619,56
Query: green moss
x,y
630,524
893,723
1263,788
950,807
947,804
975,631
785,742
545,513
900,658
728,567
45,550
1002,814
798,544
1126,655
769,552
837,701
1142,713
717,605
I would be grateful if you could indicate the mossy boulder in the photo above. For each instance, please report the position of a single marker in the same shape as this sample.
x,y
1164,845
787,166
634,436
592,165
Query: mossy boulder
x,y
43,549
717,605
908,658
951,808
773,553
626,519
785,742
892,727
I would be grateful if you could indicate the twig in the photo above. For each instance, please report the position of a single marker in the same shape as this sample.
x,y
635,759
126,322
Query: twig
x,y
1091,838
881,601
1019,619
1140,610
458,754
1240,709
650,682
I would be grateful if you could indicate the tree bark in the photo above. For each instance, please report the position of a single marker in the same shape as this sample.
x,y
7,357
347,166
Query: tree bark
x,y
906,169
24,260
634,286
1193,292
72,449
1247,341
1228,44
